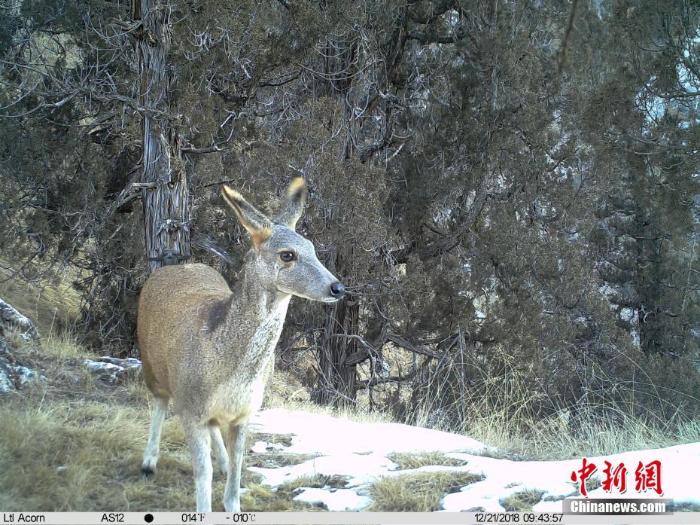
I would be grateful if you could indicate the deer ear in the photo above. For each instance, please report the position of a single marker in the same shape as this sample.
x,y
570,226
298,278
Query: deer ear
x,y
294,204
258,225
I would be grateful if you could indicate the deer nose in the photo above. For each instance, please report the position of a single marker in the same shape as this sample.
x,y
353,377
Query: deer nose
x,y
337,290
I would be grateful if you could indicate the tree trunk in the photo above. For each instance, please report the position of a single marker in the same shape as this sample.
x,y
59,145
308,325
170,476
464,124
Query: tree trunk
x,y
337,383
337,380
166,206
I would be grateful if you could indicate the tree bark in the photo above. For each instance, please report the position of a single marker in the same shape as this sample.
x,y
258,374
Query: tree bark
x,y
337,382
166,206
338,378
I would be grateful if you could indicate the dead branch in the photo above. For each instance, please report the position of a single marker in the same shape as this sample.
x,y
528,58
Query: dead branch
x,y
383,380
407,345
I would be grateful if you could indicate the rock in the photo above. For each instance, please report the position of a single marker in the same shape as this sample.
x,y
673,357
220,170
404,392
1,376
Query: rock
x,y
11,317
25,375
128,363
6,383
4,350
13,375
112,369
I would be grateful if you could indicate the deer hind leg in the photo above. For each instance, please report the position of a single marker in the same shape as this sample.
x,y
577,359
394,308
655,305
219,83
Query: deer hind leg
x,y
198,439
236,450
219,448
150,455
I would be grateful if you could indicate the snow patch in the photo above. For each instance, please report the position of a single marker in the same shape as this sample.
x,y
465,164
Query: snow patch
x,y
361,469
324,435
261,447
359,452
335,499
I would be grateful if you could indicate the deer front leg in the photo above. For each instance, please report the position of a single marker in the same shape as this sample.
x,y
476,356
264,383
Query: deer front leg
x,y
236,450
200,446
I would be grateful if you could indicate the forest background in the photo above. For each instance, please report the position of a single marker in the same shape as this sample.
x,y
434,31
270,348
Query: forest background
x,y
509,190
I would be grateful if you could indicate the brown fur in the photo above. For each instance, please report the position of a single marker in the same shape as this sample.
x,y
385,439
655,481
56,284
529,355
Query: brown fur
x,y
192,295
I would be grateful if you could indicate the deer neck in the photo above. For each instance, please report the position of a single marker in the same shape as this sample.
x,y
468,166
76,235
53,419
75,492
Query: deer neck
x,y
255,318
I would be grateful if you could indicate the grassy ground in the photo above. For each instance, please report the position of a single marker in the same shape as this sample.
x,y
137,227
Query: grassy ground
x,y
420,492
555,438
75,444
522,501
503,418
49,303
412,461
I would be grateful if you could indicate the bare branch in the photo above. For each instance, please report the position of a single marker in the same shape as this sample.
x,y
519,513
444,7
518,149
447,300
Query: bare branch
x,y
407,345
200,151
383,380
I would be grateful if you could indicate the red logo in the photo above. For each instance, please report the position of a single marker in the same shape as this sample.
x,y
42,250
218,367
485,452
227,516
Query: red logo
x,y
582,475
616,477
647,477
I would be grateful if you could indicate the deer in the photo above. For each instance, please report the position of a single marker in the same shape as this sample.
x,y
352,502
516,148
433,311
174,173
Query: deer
x,y
210,349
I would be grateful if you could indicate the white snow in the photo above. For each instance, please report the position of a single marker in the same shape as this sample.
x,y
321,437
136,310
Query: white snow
x,y
261,447
359,468
358,452
340,499
323,434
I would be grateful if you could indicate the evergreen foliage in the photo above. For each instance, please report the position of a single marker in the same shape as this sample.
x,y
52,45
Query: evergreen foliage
x,y
509,190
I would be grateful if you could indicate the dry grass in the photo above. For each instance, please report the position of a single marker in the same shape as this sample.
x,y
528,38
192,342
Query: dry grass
x,y
64,453
284,389
84,456
318,481
74,443
49,303
261,498
359,415
413,461
420,492
501,414
522,501
63,347
277,459
592,434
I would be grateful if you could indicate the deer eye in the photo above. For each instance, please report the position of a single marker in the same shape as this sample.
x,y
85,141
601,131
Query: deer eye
x,y
288,256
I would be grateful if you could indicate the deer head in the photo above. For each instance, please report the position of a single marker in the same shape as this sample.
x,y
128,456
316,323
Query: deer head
x,y
283,260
